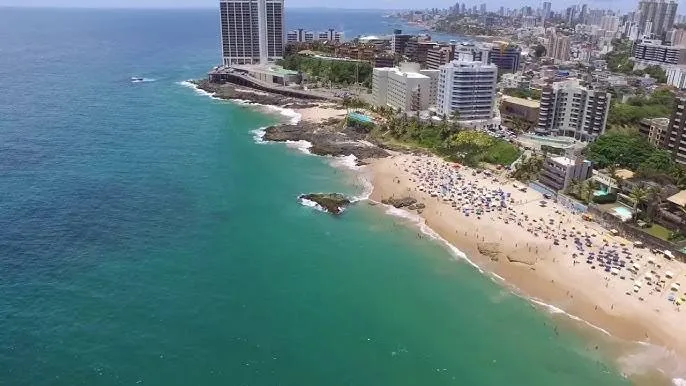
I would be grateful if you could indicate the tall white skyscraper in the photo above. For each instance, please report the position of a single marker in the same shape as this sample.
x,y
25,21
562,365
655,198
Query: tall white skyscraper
x,y
467,87
252,31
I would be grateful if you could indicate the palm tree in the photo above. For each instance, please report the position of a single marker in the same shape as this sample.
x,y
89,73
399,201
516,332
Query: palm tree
x,y
654,202
638,195
573,186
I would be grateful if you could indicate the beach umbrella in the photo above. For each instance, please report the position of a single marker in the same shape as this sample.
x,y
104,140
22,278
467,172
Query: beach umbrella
x,y
648,277
651,260
638,284
614,271
668,254
636,266
669,274
674,287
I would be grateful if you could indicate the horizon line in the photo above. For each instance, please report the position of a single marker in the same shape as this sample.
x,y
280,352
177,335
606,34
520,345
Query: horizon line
x,y
182,7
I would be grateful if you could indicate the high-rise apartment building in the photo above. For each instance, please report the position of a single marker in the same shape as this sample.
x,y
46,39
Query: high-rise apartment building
x,y
571,110
505,56
653,51
467,87
558,47
656,17
674,140
251,31
405,87
547,6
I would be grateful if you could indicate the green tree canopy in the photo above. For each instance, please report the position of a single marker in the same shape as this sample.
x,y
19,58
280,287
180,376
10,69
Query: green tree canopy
x,y
627,149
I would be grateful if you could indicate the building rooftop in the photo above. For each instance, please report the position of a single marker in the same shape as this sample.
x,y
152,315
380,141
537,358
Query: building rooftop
x,y
564,161
679,198
521,101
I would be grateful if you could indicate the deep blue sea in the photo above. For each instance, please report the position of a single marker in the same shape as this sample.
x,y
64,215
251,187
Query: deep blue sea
x,y
146,238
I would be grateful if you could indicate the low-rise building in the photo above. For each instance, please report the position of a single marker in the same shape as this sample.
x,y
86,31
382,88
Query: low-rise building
x,y
559,172
519,110
404,87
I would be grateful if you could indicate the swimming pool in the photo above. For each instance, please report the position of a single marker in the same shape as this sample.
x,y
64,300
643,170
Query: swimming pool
x,y
622,212
360,117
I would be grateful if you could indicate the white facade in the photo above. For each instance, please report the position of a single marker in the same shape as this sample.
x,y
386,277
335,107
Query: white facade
x,y
467,87
570,110
251,31
558,172
300,35
676,76
406,87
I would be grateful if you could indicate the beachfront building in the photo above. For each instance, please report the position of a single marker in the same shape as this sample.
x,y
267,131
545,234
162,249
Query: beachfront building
x,y
559,172
407,87
251,31
467,87
519,112
571,110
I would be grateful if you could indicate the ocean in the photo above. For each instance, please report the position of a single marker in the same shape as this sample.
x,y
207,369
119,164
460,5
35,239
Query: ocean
x,y
147,238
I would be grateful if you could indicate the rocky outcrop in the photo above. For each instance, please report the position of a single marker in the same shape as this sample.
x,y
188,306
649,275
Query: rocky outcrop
x,y
326,139
231,91
333,203
400,202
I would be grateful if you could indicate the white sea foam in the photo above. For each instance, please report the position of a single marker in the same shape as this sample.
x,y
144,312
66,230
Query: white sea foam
x,y
646,358
293,116
556,310
311,204
258,135
303,146
198,90
429,232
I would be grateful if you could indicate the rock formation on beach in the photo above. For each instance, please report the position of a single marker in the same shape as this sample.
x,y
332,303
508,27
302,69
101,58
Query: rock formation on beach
x,y
401,202
333,203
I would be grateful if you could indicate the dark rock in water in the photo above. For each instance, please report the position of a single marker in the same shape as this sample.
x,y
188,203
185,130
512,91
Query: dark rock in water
x,y
333,203
399,202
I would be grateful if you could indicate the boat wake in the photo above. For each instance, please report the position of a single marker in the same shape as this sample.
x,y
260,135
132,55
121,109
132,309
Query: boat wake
x,y
135,79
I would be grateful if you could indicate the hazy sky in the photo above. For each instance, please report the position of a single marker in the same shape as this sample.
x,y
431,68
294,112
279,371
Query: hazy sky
x,y
357,4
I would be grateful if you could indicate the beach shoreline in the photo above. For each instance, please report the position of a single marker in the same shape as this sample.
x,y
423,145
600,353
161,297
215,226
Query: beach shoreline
x,y
625,327
645,335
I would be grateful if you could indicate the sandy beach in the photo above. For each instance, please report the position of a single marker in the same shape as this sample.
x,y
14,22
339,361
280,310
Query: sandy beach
x,y
546,252
321,113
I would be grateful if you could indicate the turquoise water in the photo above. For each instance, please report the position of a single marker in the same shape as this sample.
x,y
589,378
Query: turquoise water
x,y
145,238
622,211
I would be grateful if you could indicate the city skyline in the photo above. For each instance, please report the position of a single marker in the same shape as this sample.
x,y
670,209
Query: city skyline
x,y
352,4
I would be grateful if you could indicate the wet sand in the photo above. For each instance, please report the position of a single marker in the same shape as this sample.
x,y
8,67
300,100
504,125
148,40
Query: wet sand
x,y
523,244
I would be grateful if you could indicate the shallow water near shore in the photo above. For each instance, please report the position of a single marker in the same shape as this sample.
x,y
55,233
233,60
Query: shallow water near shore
x,y
147,238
